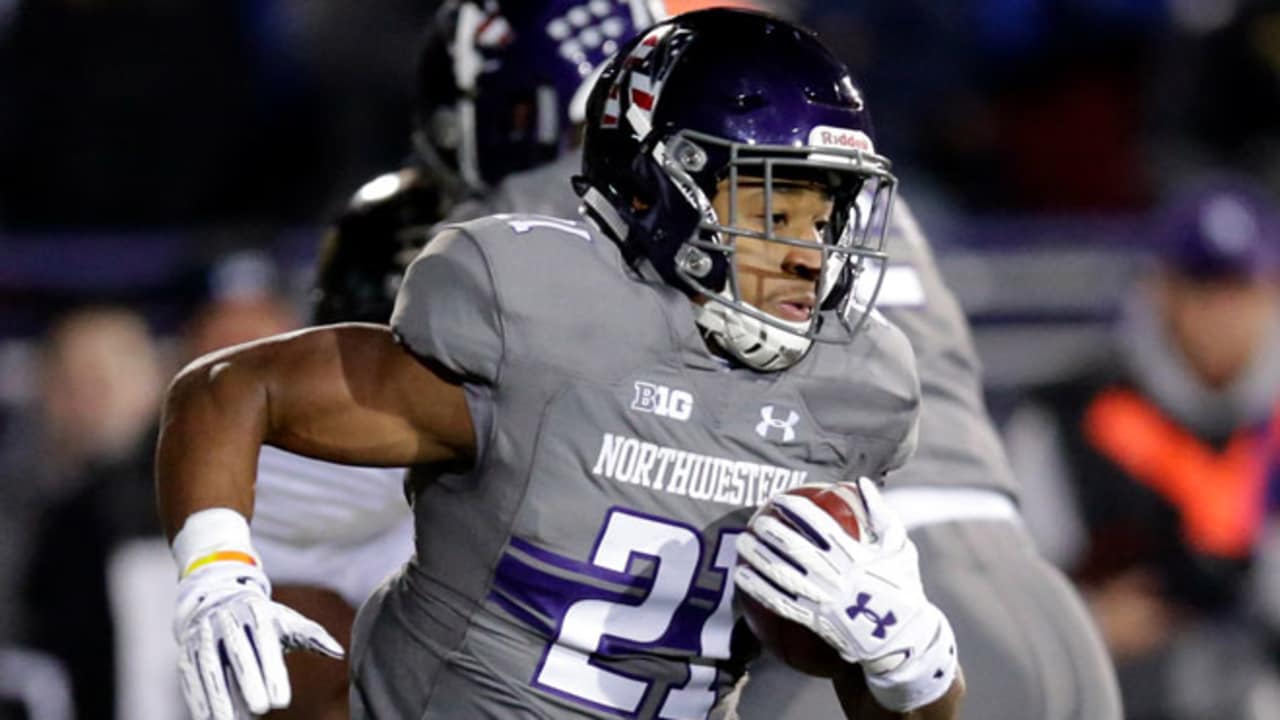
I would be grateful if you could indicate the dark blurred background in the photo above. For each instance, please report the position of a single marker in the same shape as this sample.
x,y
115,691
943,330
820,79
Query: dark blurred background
x,y
141,141
167,170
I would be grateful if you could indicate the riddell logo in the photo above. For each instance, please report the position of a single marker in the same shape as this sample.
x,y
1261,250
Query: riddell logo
x,y
834,137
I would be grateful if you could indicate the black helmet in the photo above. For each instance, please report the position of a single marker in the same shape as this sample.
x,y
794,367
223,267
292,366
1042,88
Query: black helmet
x,y
365,253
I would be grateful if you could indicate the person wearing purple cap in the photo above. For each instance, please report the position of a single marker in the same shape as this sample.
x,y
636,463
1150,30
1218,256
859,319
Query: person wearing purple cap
x,y
1146,475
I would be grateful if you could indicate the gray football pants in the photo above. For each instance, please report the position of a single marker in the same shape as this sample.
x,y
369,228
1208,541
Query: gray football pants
x,y
1027,645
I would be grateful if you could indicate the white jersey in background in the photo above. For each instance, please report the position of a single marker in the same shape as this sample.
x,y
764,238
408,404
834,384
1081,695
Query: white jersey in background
x,y
338,527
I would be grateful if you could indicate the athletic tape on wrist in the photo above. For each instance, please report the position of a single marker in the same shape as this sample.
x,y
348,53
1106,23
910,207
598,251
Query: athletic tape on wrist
x,y
212,536
924,678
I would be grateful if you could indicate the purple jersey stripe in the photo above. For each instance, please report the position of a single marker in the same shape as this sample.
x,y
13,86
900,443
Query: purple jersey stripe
x,y
534,594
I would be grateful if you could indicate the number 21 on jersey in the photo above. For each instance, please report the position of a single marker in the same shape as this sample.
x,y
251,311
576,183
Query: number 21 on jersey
x,y
661,620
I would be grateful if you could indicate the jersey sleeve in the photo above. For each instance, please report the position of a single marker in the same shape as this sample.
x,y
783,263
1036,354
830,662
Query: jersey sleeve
x,y
447,308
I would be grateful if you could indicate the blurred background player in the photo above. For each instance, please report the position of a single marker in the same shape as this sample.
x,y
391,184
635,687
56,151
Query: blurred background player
x,y
100,392
498,92
89,602
1029,648
1148,474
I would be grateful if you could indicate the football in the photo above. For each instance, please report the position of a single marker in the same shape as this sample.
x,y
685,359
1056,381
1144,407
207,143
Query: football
x,y
796,645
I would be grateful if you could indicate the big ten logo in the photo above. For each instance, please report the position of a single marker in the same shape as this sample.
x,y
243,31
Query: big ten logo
x,y
662,401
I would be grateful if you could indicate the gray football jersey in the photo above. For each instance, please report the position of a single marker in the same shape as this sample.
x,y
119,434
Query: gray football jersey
x,y
959,445
581,567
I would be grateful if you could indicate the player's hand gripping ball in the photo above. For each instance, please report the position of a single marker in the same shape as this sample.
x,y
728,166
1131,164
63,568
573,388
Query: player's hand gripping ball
x,y
834,564
788,639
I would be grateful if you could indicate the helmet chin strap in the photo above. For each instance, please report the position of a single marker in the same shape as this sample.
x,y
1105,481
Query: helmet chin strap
x,y
755,344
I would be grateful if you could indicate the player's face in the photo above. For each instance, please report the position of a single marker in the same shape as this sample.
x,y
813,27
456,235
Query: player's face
x,y
777,278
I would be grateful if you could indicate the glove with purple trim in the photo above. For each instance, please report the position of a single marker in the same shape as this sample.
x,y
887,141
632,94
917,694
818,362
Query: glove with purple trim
x,y
864,597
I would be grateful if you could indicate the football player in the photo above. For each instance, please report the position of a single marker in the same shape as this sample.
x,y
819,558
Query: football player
x,y
1030,649
600,406
496,93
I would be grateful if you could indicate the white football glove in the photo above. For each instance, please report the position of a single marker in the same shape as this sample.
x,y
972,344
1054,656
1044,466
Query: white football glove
x,y
864,597
231,636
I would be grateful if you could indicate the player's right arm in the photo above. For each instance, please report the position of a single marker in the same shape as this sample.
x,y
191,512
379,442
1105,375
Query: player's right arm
x,y
344,393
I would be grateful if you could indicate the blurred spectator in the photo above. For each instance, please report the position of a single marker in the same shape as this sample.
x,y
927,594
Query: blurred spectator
x,y
100,395
100,563
245,306
99,386
1147,477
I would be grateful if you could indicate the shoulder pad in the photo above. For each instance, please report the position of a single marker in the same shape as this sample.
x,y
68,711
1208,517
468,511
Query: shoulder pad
x,y
447,308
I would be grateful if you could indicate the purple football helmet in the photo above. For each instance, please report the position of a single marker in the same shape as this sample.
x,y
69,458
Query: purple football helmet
x,y
497,80
726,94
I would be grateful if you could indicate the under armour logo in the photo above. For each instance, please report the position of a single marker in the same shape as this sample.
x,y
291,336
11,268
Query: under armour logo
x,y
769,422
882,621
